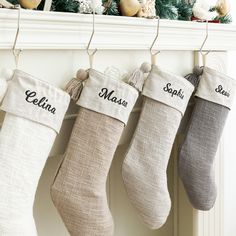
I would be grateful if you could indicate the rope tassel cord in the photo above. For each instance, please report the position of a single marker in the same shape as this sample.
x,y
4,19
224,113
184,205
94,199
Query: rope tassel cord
x,y
137,78
75,86
194,77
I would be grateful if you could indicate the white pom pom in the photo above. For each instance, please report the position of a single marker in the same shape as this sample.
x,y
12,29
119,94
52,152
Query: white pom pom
x,y
145,67
82,74
6,73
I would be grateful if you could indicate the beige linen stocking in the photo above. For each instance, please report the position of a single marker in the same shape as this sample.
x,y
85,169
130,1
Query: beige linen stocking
x,y
145,164
79,188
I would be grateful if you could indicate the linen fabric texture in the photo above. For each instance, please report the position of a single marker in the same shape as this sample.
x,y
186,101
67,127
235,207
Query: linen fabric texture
x,y
144,169
214,98
26,137
79,187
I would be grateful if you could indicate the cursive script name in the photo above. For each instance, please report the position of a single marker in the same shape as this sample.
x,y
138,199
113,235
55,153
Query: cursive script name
x,y
104,93
42,102
221,90
174,92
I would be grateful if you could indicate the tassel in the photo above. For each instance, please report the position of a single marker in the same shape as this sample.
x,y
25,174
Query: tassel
x,y
5,76
194,77
137,78
75,86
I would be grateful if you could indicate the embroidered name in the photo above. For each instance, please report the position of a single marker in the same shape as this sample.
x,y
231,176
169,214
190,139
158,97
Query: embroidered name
x,y
221,91
104,93
42,102
179,93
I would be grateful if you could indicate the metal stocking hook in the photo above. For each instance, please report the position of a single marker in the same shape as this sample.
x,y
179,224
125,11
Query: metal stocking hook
x,y
153,54
92,53
201,48
16,52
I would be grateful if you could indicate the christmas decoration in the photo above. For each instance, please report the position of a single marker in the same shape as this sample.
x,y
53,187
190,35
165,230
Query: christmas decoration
x,y
214,99
34,114
202,10
148,9
144,169
226,19
170,9
222,7
29,4
79,188
212,11
138,76
165,9
87,6
129,7
65,6
111,8
216,11
184,10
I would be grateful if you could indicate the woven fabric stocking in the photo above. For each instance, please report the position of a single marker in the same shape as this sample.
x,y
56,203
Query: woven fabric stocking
x,y
79,188
34,113
144,168
214,99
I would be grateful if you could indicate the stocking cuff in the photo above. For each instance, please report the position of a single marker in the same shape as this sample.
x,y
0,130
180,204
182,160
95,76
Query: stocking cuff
x,y
170,89
108,96
216,87
36,100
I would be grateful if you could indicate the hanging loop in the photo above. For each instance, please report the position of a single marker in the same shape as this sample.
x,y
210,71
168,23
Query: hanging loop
x,y
153,54
89,52
16,52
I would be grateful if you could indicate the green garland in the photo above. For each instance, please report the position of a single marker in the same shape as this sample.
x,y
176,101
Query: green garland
x,y
165,9
65,6
227,19
14,2
111,7
185,11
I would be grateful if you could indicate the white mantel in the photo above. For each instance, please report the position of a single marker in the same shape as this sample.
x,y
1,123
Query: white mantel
x,y
53,30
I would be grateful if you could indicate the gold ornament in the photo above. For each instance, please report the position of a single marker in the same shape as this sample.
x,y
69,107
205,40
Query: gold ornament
x,y
129,7
29,4
223,7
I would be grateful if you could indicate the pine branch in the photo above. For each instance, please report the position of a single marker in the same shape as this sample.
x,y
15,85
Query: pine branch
x,y
14,2
41,5
227,19
184,10
166,10
65,5
111,7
